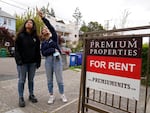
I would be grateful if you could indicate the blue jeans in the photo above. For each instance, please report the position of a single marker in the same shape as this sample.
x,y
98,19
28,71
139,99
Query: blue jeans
x,y
22,72
54,65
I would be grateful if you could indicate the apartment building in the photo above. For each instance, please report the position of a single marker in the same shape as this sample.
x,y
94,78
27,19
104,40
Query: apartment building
x,y
68,31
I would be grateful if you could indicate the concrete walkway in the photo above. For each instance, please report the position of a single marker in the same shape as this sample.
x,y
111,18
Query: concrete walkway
x,y
9,95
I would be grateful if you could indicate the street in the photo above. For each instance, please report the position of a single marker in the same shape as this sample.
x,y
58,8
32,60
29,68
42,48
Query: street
x,y
8,68
9,94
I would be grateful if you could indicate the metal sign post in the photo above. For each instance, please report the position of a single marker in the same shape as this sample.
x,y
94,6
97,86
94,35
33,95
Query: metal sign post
x,y
111,72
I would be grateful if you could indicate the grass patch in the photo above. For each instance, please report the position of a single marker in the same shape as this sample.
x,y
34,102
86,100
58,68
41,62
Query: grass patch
x,y
75,68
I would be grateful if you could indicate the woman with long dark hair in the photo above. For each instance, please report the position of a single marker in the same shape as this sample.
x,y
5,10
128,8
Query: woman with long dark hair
x,y
28,59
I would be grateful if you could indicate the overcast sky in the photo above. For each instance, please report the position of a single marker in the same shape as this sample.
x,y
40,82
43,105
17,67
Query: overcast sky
x,y
91,10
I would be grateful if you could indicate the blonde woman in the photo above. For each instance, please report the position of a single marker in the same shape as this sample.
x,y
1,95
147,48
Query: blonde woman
x,y
53,60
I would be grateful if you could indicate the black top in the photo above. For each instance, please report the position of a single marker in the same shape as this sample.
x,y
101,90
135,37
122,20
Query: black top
x,y
27,49
48,46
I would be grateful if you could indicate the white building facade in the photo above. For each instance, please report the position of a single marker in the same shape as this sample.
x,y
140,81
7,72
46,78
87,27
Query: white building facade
x,y
8,21
69,32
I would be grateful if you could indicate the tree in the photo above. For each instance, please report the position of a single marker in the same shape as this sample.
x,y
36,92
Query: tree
x,y
144,58
78,47
45,10
19,22
92,26
84,27
31,13
124,17
95,26
52,13
77,15
6,36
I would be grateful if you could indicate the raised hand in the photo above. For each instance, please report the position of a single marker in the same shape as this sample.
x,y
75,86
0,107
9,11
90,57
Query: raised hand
x,y
39,13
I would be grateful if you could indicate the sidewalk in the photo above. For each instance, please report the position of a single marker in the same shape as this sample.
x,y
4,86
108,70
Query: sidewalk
x,y
9,95
148,107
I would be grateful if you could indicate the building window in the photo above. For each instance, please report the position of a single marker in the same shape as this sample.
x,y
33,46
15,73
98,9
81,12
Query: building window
x,y
75,36
1,22
62,27
5,21
9,22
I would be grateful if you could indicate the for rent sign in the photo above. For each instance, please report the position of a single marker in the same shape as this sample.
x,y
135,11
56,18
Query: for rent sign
x,y
114,66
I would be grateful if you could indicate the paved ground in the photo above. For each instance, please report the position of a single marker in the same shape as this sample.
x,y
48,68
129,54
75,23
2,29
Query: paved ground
x,y
9,96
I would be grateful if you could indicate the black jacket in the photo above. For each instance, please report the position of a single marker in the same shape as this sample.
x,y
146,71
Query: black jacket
x,y
27,49
48,46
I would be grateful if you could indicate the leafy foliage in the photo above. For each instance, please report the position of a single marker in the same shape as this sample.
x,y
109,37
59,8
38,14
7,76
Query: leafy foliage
x,y
84,27
144,59
52,12
77,15
31,13
5,35
27,15
4,32
45,10
78,47
92,26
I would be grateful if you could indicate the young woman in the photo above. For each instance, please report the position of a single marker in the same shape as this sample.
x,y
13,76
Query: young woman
x,y
53,60
28,58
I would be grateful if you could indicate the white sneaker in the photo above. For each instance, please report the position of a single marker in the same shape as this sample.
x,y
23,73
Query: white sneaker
x,y
51,99
63,98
